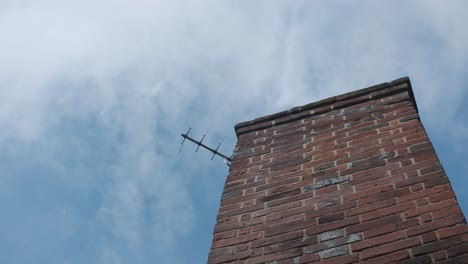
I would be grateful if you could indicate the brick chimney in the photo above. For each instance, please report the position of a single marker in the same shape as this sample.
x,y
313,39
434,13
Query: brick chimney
x,y
352,178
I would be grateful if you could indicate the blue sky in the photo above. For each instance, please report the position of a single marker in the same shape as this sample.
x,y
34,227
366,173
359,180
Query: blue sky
x,y
94,96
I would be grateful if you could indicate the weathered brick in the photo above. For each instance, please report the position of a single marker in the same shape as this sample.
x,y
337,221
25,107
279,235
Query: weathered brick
x,y
325,183
458,250
420,146
328,202
280,195
331,234
409,117
277,239
232,194
331,217
334,252
332,243
308,258
295,243
333,225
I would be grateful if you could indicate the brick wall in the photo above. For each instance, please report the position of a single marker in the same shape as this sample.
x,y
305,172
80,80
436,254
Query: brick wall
x,y
353,178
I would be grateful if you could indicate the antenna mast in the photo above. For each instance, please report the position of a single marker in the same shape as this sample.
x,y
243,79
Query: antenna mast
x,y
215,152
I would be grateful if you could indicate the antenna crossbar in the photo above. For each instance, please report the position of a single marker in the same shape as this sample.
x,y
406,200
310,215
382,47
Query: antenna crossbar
x,y
200,144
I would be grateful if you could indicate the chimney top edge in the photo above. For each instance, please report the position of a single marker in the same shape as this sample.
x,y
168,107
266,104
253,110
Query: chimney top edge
x,y
282,117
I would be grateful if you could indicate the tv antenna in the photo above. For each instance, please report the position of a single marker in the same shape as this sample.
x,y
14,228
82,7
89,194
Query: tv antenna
x,y
215,152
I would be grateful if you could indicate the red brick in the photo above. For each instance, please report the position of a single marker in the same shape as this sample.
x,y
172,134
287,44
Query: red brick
x,y
229,207
445,222
357,195
331,217
229,257
224,235
241,211
391,219
237,224
346,259
451,210
275,256
242,198
436,246
235,240
379,182
289,226
441,196
309,258
452,231
381,230
371,207
389,258
389,248
387,211
439,255
383,196
278,214
288,244
276,239
422,193
329,210
380,240
457,250
270,211
429,208
331,226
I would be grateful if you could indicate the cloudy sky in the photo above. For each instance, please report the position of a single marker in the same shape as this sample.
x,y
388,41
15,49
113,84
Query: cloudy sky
x,y
94,96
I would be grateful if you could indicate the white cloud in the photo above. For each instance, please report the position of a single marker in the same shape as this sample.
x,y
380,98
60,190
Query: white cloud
x,y
144,70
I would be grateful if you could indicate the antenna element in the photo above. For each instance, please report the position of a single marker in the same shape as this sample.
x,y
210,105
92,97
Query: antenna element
x,y
215,152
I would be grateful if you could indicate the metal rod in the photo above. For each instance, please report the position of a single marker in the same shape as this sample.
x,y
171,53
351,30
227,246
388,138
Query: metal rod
x,y
200,144
216,150
182,144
